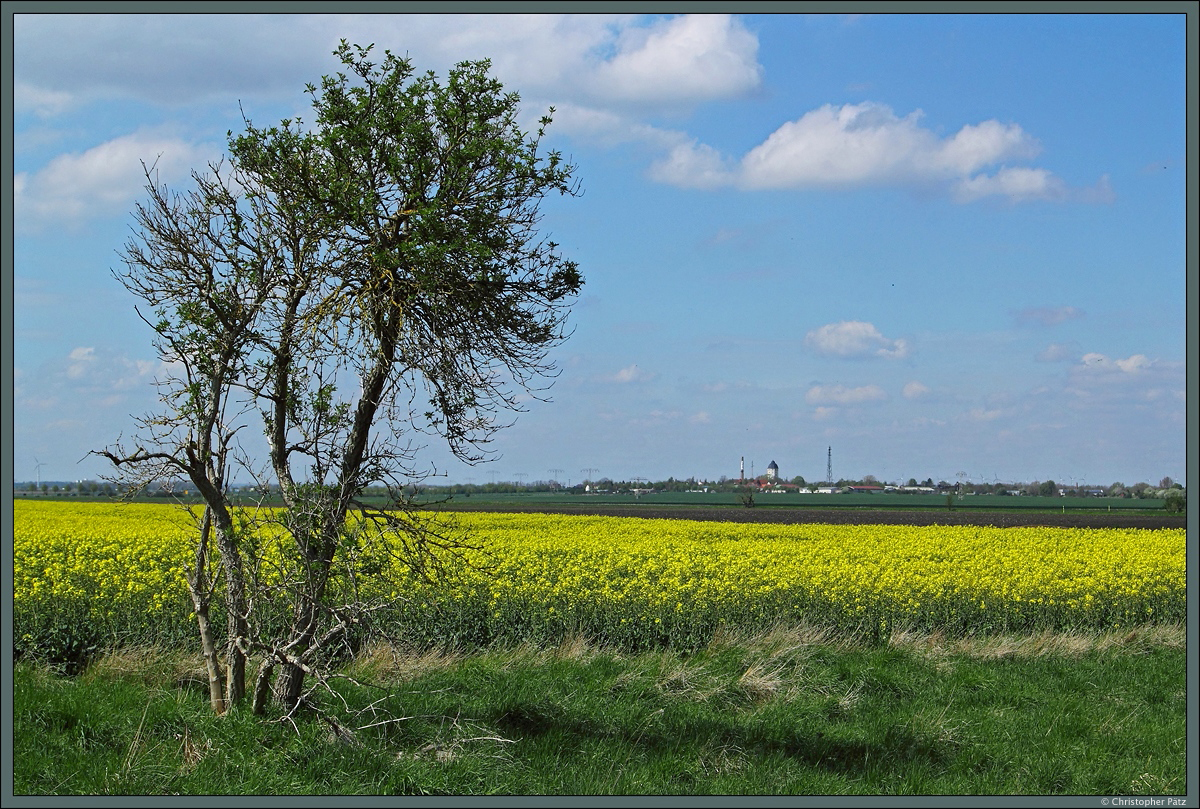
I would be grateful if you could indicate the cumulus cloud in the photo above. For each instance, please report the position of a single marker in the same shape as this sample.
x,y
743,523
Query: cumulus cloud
x,y
1047,315
869,145
1137,362
841,395
692,165
102,180
1017,184
690,58
1099,363
915,390
608,58
853,338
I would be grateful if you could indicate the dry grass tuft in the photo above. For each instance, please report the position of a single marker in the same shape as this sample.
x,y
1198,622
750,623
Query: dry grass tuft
x,y
1040,644
152,665
191,751
677,677
781,641
761,682
938,730
574,647
463,737
388,662
723,760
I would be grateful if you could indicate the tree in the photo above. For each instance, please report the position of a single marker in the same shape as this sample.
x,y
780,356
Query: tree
x,y
1048,489
350,288
1175,501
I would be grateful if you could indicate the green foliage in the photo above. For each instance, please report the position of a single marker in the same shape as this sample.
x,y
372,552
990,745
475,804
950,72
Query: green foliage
x,y
1175,501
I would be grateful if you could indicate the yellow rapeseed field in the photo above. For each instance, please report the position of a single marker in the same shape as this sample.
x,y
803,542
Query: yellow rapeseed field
x,y
643,582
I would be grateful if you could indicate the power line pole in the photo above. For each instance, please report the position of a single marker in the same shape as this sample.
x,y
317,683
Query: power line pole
x,y
829,466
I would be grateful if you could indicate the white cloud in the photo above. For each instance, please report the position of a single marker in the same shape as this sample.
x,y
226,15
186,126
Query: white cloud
x,y
1047,315
682,59
609,128
90,372
1133,364
610,58
103,180
915,390
838,394
981,414
1101,193
1017,184
1057,352
82,359
868,145
701,417
853,338
692,165
42,102
631,374
1099,363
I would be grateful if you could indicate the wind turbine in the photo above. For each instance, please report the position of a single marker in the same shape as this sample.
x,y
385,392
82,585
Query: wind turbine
x,y
38,471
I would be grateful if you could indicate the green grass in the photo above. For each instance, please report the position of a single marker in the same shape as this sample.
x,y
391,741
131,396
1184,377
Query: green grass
x,y
794,711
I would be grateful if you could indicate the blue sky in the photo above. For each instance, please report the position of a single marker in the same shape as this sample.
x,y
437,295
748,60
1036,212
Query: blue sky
x,y
942,245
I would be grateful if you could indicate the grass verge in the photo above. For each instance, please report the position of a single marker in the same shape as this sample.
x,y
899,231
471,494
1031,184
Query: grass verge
x,y
793,711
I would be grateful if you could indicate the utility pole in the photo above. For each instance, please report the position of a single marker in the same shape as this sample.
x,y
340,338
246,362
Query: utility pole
x,y
829,466
555,474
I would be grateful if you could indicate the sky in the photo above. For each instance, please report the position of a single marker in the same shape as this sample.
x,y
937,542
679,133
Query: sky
x,y
935,246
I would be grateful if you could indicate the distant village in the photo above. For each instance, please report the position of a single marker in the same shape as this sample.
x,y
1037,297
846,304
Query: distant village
x,y
770,482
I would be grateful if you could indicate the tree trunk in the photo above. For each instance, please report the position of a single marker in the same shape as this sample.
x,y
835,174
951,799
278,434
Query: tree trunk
x,y
211,662
199,586
262,687
289,684
235,605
